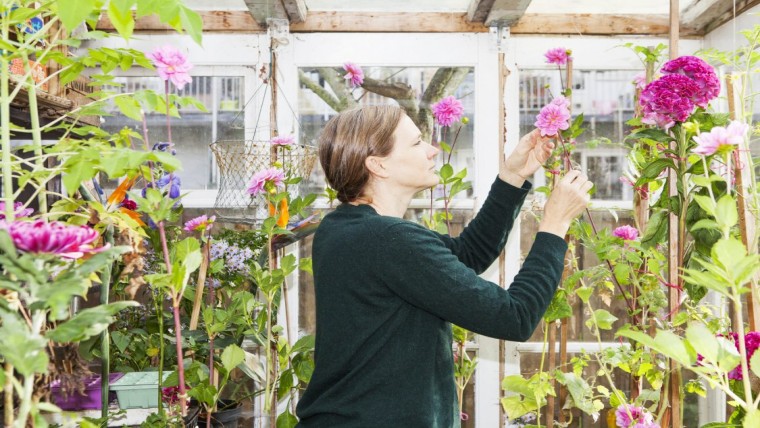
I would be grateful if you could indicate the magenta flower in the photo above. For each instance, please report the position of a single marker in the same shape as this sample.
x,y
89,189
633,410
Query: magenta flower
x,y
128,204
752,342
262,180
557,56
283,140
628,233
200,223
668,100
39,237
554,117
354,74
721,138
172,64
630,416
18,210
700,72
447,111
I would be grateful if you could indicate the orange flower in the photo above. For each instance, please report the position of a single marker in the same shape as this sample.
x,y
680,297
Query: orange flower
x,y
283,217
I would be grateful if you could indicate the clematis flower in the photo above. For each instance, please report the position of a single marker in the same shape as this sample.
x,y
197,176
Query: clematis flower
x,y
18,210
172,64
264,179
200,223
720,138
554,117
668,100
557,56
286,140
447,111
628,233
698,71
354,74
40,237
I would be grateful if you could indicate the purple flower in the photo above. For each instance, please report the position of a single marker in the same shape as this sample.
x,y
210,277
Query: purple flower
x,y
628,233
128,204
721,137
629,416
170,180
700,72
286,140
266,178
668,100
752,342
200,223
39,237
557,56
354,74
554,117
172,64
447,111
18,210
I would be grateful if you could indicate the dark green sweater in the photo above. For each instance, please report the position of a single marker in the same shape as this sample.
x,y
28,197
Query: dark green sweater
x,y
387,290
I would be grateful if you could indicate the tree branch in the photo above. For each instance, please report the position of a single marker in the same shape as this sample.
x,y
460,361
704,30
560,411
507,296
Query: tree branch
x,y
338,85
319,91
443,83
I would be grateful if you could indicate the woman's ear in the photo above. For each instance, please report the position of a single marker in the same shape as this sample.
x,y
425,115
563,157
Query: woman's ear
x,y
375,166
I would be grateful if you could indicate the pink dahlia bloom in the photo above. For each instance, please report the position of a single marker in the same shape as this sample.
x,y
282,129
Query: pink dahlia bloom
x,y
272,176
172,64
200,223
562,102
61,239
557,56
554,117
354,74
710,142
702,73
447,111
628,233
18,210
752,342
668,100
283,140
640,80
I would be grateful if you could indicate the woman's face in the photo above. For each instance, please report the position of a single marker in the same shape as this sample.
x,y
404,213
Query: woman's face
x,y
411,163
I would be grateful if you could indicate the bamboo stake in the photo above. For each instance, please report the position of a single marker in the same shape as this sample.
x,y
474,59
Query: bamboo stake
x,y
503,73
746,219
273,254
674,250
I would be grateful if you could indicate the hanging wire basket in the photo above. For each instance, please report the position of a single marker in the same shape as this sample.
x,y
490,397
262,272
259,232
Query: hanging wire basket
x,y
239,160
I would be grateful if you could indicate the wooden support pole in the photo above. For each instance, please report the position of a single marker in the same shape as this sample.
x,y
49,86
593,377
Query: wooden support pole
x,y
503,73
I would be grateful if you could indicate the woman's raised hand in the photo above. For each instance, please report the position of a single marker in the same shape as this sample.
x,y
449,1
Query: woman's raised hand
x,y
568,199
531,152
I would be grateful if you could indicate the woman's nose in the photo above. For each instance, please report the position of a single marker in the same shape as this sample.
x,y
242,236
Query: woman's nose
x,y
432,151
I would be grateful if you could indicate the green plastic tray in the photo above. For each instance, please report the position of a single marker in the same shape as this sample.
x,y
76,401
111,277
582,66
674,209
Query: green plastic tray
x,y
137,390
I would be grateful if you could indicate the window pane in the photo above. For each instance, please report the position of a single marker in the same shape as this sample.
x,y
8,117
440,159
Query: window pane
x,y
195,130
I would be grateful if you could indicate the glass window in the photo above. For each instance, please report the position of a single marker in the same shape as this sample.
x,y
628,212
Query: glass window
x,y
195,130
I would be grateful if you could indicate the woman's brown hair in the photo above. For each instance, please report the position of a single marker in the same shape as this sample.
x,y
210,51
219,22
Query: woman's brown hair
x,y
349,139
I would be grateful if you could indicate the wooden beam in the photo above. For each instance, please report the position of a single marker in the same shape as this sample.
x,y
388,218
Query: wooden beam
x,y
596,24
261,10
741,7
478,10
384,22
506,12
296,10
213,21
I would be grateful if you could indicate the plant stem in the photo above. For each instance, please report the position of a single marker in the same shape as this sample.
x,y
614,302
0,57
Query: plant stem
x,y
5,131
105,338
8,395
25,406
36,135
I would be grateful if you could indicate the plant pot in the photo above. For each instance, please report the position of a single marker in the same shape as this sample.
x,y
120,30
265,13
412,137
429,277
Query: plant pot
x,y
137,390
227,418
91,398
191,419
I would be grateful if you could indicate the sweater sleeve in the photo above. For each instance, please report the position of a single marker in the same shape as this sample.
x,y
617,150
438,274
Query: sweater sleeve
x,y
427,275
485,236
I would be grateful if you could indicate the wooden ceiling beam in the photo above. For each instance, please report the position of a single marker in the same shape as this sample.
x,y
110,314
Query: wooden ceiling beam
x,y
478,10
596,24
261,10
213,21
506,12
728,14
296,10
387,22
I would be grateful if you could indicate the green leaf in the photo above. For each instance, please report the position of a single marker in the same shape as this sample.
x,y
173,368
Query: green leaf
x,y
305,343
78,173
602,318
752,419
23,349
120,14
129,107
716,350
728,252
754,363
665,342
558,308
88,322
73,12
193,24
705,224
232,356
287,420
726,213
706,203
584,293
446,172
654,169
583,395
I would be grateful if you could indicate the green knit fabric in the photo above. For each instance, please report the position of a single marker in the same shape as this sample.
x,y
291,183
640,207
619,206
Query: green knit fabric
x,y
387,290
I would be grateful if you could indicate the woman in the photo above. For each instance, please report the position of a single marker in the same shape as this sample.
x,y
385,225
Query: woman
x,y
387,290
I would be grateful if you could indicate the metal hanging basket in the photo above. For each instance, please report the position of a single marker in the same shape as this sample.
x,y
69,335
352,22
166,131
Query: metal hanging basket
x,y
239,160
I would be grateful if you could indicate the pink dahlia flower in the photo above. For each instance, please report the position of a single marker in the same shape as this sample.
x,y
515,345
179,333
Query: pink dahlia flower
x,y
628,233
561,101
272,177
447,111
200,223
554,117
668,100
172,64
710,142
557,56
61,239
702,73
630,416
752,342
354,74
283,140
18,210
